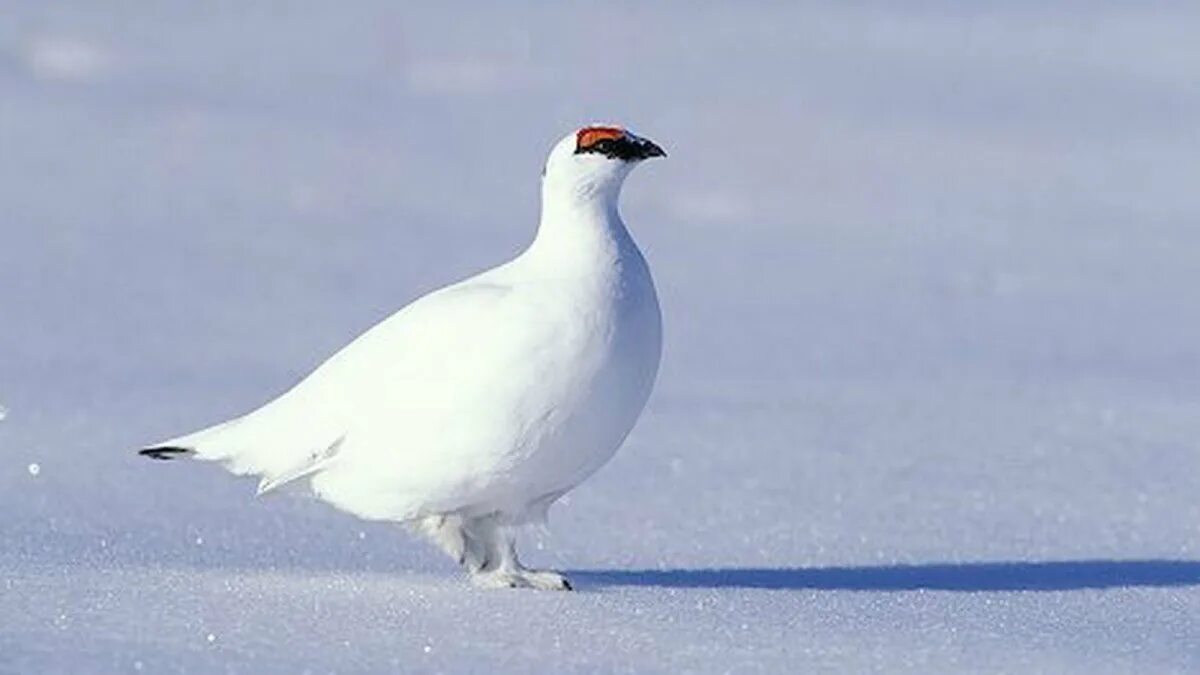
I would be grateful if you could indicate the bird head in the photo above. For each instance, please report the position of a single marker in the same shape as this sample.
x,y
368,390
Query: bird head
x,y
595,160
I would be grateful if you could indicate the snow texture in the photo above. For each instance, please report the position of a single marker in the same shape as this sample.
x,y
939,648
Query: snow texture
x,y
929,396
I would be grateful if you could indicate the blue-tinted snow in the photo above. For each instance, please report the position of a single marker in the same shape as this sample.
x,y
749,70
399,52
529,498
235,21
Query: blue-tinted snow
x,y
929,399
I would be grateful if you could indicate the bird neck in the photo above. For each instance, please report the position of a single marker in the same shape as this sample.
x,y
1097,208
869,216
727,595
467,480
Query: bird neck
x,y
580,225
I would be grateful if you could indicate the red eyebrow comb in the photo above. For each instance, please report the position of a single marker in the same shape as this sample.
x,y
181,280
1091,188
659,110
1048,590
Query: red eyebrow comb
x,y
588,136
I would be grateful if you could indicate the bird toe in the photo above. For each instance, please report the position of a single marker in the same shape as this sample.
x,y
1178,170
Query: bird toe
x,y
497,580
548,581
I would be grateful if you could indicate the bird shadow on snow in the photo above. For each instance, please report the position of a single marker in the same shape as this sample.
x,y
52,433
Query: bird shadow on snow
x,y
971,576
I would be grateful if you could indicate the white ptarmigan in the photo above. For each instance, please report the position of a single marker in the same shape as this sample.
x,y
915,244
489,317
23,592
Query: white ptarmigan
x,y
467,413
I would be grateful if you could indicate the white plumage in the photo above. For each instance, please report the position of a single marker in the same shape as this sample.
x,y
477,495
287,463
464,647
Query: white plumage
x,y
470,411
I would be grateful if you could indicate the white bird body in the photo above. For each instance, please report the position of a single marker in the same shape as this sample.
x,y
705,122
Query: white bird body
x,y
471,410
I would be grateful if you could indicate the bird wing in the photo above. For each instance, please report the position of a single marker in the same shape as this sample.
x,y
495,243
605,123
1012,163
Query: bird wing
x,y
302,432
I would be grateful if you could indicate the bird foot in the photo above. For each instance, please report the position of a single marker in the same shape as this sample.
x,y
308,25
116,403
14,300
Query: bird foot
x,y
547,580
541,580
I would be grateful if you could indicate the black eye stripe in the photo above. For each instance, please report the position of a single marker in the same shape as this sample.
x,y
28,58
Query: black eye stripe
x,y
613,148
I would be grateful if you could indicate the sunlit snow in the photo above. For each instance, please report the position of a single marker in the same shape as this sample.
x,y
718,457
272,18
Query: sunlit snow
x,y
929,394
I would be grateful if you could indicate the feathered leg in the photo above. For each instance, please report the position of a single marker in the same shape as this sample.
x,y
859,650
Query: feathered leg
x,y
503,569
449,533
487,547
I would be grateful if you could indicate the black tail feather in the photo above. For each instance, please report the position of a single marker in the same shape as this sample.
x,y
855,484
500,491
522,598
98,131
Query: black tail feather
x,y
165,452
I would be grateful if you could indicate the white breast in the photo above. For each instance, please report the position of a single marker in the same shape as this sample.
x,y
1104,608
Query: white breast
x,y
602,386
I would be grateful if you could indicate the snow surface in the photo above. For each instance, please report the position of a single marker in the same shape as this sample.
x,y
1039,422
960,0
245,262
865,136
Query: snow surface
x,y
929,400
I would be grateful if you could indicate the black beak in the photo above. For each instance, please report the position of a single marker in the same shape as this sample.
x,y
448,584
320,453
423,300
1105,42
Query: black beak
x,y
645,148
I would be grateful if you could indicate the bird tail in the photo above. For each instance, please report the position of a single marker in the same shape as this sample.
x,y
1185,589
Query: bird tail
x,y
276,461
165,452
189,445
